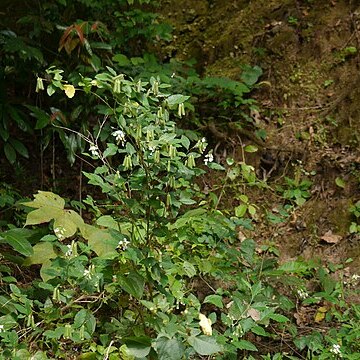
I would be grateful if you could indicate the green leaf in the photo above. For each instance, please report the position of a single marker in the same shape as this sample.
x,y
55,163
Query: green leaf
x,y
245,345
139,347
240,210
340,182
215,300
189,269
17,238
204,345
169,349
279,318
42,117
251,75
133,284
42,252
121,59
110,150
108,222
46,198
177,99
101,241
86,318
251,148
20,148
42,215
69,221
10,153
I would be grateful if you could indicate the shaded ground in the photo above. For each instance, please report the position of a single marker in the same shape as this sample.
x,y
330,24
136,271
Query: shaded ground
x,y
308,105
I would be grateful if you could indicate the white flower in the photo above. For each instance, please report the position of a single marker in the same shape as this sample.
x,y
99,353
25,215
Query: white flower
x,y
2,329
355,277
87,273
69,252
203,140
302,294
335,349
205,325
123,244
94,150
208,158
119,136
59,232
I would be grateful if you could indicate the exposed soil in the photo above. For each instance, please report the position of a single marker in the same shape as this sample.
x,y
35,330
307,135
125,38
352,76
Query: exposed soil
x,y
308,99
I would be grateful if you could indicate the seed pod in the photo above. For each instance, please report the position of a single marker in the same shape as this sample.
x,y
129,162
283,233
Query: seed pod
x,y
74,248
157,156
117,86
82,332
39,84
139,86
127,162
172,151
67,331
190,162
168,166
155,88
138,133
30,321
56,294
171,182
168,200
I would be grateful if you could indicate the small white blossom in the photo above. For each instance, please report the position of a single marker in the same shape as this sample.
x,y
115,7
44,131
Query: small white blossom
x,y
119,136
203,140
87,273
335,349
355,277
94,150
2,329
302,294
208,158
123,244
59,232
69,252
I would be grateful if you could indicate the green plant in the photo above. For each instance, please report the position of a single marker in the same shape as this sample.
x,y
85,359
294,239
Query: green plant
x,y
355,211
296,191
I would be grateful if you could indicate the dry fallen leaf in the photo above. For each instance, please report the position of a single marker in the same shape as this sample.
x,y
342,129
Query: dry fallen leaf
x,y
254,314
331,238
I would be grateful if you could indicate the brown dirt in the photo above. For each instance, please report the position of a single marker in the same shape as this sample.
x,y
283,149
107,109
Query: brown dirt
x,y
308,103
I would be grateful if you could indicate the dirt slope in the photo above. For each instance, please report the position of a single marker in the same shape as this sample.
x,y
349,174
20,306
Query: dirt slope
x,y
309,102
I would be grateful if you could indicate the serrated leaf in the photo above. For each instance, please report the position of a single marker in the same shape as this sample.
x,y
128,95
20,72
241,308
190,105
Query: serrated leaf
x,y
42,252
204,345
278,318
169,349
17,239
215,300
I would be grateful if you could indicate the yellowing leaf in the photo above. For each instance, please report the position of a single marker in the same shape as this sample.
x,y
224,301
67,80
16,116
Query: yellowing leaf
x,y
42,215
205,325
46,198
254,314
69,91
320,314
42,253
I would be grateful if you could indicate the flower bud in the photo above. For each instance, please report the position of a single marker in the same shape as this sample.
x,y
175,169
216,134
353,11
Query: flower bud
x,y
39,84
117,86
56,294
67,331
157,156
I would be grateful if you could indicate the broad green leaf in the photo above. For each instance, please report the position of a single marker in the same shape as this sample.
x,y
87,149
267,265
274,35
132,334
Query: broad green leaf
x,y
42,252
121,59
86,318
250,75
101,241
68,222
169,349
46,198
240,210
133,284
17,238
138,347
10,153
177,99
108,222
215,300
42,117
110,150
42,215
204,345
245,345
189,269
